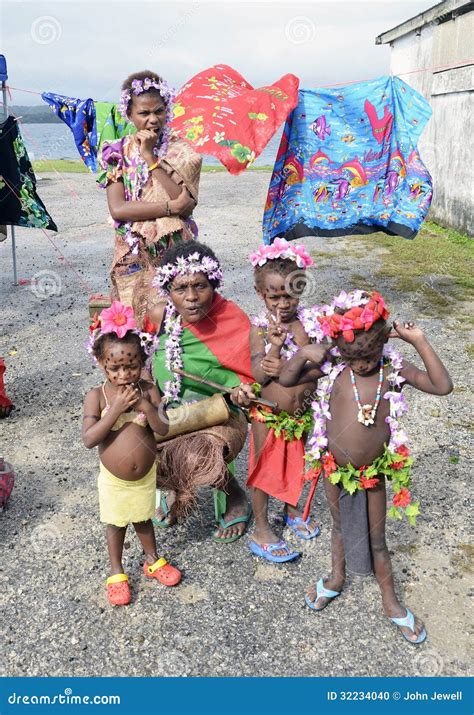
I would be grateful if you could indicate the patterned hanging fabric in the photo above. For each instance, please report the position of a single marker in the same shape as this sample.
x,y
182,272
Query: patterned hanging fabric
x,y
219,113
20,205
79,115
348,164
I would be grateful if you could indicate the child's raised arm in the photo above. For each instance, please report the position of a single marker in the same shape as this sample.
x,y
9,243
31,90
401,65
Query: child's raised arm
x,y
304,366
436,379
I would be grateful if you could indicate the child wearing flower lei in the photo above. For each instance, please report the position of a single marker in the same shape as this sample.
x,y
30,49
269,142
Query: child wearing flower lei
x,y
152,180
358,440
276,455
120,418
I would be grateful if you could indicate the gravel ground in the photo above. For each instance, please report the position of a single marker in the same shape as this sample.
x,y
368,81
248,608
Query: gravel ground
x,y
232,614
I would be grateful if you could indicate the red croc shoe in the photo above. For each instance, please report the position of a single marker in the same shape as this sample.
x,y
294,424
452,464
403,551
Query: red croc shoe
x,y
118,590
163,571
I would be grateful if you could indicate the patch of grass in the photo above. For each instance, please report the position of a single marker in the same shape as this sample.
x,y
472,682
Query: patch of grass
x,y
470,350
45,166
438,264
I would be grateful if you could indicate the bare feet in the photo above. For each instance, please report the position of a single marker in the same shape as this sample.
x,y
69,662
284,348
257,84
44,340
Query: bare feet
x,y
237,506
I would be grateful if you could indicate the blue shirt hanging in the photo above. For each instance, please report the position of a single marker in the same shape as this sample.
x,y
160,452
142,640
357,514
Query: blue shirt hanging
x,y
79,115
348,164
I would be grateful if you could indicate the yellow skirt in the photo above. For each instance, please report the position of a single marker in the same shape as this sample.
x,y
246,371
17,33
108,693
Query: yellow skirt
x,y
124,502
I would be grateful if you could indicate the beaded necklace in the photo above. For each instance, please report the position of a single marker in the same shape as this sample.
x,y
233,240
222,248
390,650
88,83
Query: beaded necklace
x,y
367,413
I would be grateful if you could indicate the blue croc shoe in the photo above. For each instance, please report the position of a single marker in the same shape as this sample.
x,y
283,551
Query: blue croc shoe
x,y
409,622
294,521
266,551
320,593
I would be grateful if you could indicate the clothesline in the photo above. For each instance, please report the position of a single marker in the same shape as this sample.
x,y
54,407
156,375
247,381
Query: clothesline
x,y
60,256
433,68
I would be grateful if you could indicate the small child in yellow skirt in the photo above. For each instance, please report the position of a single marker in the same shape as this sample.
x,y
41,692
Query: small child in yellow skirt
x,y
120,418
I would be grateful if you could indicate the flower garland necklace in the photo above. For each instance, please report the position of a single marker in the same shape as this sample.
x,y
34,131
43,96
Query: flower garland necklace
x,y
173,328
309,321
395,462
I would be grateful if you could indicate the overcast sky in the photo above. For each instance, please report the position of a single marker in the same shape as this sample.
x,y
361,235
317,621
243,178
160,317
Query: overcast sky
x,y
85,49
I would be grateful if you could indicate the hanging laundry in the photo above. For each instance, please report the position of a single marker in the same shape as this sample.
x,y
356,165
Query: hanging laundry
x,y
91,123
79,115
219,113
348,164
20,205
110,125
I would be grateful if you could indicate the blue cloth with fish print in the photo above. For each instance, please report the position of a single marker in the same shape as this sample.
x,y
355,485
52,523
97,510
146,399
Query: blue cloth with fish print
x,y
348,164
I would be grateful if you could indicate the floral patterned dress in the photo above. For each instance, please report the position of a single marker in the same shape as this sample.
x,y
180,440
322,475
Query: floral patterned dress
x,y
140,245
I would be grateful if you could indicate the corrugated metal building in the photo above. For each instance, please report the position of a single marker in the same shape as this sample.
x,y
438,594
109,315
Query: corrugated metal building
x,y
442,38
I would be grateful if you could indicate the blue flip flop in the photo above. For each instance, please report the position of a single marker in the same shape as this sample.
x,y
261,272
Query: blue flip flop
x,y
266,551
294,521
409,622
320,593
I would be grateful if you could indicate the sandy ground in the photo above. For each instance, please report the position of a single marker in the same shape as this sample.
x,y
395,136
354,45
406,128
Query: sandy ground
x,y
232,614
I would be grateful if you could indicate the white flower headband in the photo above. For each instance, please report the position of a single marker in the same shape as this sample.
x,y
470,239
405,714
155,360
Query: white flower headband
x,y
168,96
193,263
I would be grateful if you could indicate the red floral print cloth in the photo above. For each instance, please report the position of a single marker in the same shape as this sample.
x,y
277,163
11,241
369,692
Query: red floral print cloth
x,y
219,113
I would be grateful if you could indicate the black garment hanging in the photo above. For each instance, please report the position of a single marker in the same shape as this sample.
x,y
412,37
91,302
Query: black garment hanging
x,y
20,205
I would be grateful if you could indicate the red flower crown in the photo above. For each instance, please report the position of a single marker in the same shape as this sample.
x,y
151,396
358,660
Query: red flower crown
x,y
358,317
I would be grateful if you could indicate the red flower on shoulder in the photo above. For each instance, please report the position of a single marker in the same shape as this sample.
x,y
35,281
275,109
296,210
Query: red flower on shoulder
x,y
403,451
397,465
403,498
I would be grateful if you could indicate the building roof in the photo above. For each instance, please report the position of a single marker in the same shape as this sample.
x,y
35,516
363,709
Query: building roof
x,y
438,13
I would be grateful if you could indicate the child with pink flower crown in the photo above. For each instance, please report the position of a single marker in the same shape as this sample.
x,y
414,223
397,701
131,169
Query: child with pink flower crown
x,y
120,418
358,441
276,454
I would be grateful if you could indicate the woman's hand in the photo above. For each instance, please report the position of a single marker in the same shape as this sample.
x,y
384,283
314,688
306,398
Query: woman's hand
x,y
407,331
125,399
184,204
147,141
242,395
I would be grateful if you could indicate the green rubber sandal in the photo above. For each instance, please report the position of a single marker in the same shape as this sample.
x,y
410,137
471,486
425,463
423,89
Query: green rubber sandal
x,y
163,504
220,508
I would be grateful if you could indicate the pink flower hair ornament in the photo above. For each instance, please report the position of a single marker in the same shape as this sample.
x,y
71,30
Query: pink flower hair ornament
x,y
119,319
281,248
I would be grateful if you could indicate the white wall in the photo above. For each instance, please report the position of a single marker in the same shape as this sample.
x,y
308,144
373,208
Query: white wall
x,y
446,145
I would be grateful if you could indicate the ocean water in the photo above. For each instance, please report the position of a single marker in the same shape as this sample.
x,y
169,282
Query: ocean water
x,y
55,141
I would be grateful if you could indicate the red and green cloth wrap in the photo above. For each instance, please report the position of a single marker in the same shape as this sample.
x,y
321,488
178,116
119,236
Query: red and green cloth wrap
x,y
279,468
217,348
